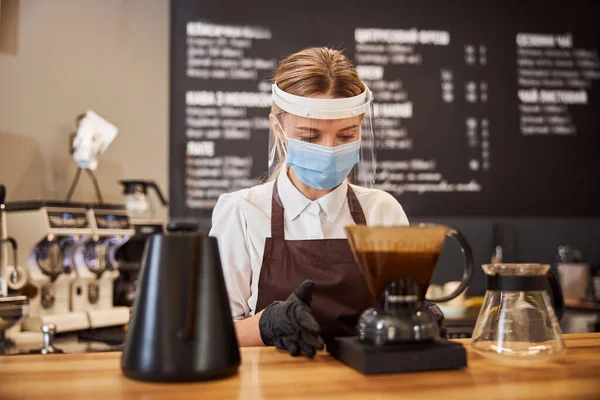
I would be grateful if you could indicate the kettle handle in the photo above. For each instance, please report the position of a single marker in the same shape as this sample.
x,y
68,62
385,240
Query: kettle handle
x,y
189,329
468,271
557,295
187,332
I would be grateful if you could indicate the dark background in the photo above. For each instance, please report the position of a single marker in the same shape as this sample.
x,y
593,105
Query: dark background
x,y
540,192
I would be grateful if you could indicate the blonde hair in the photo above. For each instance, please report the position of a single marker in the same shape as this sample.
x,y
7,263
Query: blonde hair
x,y
314,71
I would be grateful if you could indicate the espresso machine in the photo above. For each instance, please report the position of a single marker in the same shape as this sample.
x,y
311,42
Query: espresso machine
x,y
13,307
145,223
396,334
48,233
97,267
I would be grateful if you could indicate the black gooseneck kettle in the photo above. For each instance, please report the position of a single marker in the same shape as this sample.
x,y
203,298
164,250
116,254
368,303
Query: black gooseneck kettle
x,y
181,327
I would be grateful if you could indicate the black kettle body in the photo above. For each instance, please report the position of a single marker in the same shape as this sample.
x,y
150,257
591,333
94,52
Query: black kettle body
x,y
181,328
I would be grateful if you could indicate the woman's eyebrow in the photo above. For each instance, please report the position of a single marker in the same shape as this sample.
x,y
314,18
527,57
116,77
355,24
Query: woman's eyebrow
x,y
348,128
307,128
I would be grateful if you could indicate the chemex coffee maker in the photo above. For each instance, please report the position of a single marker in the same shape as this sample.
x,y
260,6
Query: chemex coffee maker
x,y
97,267
395,335
144,221
181,329
48,234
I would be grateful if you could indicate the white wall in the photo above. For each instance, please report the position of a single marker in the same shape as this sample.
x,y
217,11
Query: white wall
x,y
111,56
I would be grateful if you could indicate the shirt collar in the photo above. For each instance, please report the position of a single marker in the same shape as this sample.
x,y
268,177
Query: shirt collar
x,y
295,202
333,201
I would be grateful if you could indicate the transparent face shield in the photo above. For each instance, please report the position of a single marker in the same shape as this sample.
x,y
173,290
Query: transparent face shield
x,y
324,140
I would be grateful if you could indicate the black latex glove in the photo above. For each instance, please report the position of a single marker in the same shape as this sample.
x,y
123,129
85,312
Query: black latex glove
x,y
289,324
437,314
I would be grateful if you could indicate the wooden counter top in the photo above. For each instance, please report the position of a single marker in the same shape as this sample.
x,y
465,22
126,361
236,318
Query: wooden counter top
x,y
268,373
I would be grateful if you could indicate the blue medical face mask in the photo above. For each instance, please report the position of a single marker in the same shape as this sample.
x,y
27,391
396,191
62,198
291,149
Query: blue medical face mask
x,y
321,167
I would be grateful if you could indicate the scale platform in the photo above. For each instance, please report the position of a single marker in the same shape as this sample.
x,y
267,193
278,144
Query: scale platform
x,y
412,357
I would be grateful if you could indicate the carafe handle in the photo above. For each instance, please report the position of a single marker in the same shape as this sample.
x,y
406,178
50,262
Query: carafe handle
x,y
558,301
468,271
154,186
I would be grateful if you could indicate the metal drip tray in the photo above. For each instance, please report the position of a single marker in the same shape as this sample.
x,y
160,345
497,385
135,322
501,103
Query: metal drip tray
x,y
12,309
92,341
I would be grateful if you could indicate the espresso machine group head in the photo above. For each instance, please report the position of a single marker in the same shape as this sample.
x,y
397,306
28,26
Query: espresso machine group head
x,y
97,266
48,234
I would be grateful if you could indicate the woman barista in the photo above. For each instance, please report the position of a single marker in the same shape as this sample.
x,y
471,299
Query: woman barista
x,y
288,267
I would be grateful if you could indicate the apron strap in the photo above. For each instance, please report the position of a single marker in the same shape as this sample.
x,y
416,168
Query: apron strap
x,y
277,229
355,208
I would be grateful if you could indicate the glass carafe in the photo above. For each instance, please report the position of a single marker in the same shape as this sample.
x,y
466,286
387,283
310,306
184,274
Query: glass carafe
x,y
137,201
517,321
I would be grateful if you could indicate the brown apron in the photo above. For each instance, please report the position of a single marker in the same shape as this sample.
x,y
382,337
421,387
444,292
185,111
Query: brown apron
x,y
340,294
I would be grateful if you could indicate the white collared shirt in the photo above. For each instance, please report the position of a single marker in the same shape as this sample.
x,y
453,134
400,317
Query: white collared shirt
x,y
241,222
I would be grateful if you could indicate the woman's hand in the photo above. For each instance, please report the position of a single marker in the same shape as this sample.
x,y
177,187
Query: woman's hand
x,y
290,325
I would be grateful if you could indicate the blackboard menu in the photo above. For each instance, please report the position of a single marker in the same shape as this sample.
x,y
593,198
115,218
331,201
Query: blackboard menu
x,y
482,108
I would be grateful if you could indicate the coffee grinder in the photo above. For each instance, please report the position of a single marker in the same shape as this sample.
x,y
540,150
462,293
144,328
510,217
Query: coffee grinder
x,y
145,223
48,233
97,267
394,335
